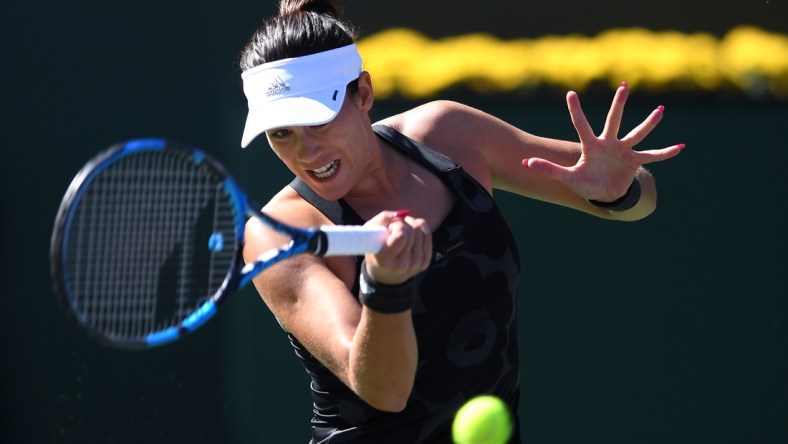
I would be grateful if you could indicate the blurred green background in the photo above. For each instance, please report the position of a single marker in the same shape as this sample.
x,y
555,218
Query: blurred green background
x,y
670,330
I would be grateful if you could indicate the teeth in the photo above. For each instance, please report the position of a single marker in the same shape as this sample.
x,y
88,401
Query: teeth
x,y
326,171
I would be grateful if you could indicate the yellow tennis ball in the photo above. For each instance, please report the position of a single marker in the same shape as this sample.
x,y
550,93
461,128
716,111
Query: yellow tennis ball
x,y
482,420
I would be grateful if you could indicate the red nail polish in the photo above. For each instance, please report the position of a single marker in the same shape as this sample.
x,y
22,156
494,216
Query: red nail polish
x,y
402,213
625,84
661,108
681,146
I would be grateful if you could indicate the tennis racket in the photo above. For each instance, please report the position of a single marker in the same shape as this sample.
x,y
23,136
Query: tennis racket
x,y
148,238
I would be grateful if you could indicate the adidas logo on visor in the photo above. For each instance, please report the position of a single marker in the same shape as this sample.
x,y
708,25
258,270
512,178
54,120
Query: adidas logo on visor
x,y
277,87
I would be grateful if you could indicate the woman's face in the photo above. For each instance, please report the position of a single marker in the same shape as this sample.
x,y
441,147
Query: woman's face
x,y
330,158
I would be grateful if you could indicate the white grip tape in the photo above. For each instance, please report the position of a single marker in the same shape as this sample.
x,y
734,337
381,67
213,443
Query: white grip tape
x,y
349,240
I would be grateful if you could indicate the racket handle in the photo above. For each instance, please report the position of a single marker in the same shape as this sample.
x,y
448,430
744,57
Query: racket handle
x,y
350,240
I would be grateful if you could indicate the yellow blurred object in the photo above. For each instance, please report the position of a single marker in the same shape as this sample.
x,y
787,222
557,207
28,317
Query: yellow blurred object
x,y
407,63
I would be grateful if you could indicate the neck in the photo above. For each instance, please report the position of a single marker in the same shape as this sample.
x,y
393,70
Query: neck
x,y
384,184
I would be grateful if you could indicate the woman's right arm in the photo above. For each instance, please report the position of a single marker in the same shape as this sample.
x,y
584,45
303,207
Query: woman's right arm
x,y
373,353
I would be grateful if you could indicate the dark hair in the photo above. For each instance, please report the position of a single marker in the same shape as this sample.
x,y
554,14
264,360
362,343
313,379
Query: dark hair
x,y
302,27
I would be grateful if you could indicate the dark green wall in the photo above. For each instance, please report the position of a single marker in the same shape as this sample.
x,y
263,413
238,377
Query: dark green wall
x,y
672,329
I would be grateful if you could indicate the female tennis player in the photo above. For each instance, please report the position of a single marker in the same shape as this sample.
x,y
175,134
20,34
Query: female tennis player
x,y
396,342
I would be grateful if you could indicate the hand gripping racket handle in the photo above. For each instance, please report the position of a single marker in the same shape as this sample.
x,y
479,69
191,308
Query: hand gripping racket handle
x,y
353,240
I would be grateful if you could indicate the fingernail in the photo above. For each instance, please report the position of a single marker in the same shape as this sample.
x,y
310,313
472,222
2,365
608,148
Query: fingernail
x,y
525,162
402,213
681,146
661,108
625,84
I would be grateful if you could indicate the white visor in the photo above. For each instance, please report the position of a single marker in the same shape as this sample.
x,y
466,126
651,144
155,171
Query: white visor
x,y
299,91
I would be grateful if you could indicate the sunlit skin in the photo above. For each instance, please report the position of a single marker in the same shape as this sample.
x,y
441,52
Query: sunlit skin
x,y
375,354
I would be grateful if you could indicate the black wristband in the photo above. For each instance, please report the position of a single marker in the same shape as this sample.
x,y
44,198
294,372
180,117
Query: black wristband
x,y
623,203
384,298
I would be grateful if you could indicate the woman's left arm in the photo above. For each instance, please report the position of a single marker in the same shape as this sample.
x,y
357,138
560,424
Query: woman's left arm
x,y
598,168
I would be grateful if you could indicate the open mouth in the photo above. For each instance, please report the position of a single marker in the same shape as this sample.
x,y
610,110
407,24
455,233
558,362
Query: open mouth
x,y
326,171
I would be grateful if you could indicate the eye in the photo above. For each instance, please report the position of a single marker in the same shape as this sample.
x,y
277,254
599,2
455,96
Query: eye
x,y
279,133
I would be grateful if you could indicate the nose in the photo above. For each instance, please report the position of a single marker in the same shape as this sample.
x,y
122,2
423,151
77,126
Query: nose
x,y
310,146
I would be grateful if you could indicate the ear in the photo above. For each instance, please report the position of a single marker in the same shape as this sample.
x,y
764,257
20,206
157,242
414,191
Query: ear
x,y
365,96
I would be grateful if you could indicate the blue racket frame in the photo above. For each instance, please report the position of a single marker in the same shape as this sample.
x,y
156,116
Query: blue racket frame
x,y
303,241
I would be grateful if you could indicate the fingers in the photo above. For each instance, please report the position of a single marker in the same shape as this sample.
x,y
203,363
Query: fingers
x,y
409,242
408,248
641,131
578,117
614,119
548,168
613,124
614,116
651,156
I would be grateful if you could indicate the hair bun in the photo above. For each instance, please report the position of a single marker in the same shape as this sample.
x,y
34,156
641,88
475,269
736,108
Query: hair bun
x,y
327,7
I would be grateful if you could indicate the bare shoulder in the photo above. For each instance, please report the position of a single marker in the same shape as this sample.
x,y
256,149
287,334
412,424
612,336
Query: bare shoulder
x,y
456,130
289,207
433,121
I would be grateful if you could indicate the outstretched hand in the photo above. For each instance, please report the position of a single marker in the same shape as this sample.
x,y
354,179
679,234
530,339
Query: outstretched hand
x,y
607,164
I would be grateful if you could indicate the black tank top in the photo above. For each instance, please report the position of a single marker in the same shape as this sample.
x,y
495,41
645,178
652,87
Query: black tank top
x,y
464,317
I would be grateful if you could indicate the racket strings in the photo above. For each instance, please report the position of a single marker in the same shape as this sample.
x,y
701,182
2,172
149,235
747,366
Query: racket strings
x,y
137,253
225,225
